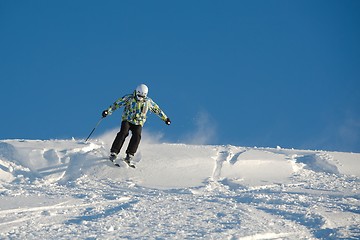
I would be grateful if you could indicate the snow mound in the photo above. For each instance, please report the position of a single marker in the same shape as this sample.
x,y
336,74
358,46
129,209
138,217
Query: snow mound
x,y
69,189
161,165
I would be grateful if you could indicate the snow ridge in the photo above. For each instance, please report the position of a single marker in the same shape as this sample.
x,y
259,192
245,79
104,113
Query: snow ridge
x,y
65,189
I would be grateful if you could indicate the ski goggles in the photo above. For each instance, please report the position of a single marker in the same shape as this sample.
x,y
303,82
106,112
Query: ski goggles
x,y
140,97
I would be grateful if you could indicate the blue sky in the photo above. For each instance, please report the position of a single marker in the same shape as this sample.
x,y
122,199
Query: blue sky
x,y
246,73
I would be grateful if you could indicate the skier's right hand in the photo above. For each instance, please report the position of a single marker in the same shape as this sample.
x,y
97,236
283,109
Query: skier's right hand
x,y
105,113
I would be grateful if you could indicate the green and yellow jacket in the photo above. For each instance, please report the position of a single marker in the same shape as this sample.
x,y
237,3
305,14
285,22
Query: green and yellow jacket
x,y
135,110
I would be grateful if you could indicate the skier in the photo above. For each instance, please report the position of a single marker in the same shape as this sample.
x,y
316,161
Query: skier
x,y
136,106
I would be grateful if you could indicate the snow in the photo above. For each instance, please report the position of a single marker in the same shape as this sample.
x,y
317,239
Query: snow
x,y
67,189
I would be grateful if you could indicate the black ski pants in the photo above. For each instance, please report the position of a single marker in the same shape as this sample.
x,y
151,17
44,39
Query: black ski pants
x,y
124,132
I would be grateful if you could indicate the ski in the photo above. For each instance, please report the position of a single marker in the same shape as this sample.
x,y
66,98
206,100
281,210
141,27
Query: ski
x,y
129,163
115,164
112,159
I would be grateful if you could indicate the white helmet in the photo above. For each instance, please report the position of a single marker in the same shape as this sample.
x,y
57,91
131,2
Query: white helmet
x,y
142,91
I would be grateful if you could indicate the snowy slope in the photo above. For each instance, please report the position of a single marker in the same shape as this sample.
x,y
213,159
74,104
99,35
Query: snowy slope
x,y
66,189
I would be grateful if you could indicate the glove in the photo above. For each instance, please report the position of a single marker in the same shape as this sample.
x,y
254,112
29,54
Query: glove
x,y
105,113
167,121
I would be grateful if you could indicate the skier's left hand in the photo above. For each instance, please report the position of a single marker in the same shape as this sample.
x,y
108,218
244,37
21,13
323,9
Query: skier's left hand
x,y
167,121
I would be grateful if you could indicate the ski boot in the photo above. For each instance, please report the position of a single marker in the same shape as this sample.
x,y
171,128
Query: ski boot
x,y
112,156
127,160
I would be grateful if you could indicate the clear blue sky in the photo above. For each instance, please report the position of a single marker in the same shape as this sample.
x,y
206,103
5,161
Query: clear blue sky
x,y
245,73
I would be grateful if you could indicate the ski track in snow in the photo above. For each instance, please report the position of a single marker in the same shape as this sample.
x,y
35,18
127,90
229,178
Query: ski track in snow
x,y
66,189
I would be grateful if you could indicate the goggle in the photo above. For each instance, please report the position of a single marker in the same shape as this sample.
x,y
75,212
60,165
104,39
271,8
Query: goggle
x,y
140,97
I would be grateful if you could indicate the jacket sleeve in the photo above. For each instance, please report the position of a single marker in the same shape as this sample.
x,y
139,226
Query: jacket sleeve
x,y
156,109
119,103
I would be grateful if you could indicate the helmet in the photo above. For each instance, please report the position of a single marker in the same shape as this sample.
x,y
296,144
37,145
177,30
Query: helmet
x,y
141,91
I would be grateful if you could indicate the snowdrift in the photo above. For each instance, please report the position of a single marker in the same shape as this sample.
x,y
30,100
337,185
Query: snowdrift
x,y
165,165
219,191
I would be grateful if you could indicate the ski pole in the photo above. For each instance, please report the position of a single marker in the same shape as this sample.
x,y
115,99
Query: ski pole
x,y
94,128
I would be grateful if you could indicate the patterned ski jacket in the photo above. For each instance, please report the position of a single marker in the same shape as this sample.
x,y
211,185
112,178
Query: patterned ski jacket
x,y
135,110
